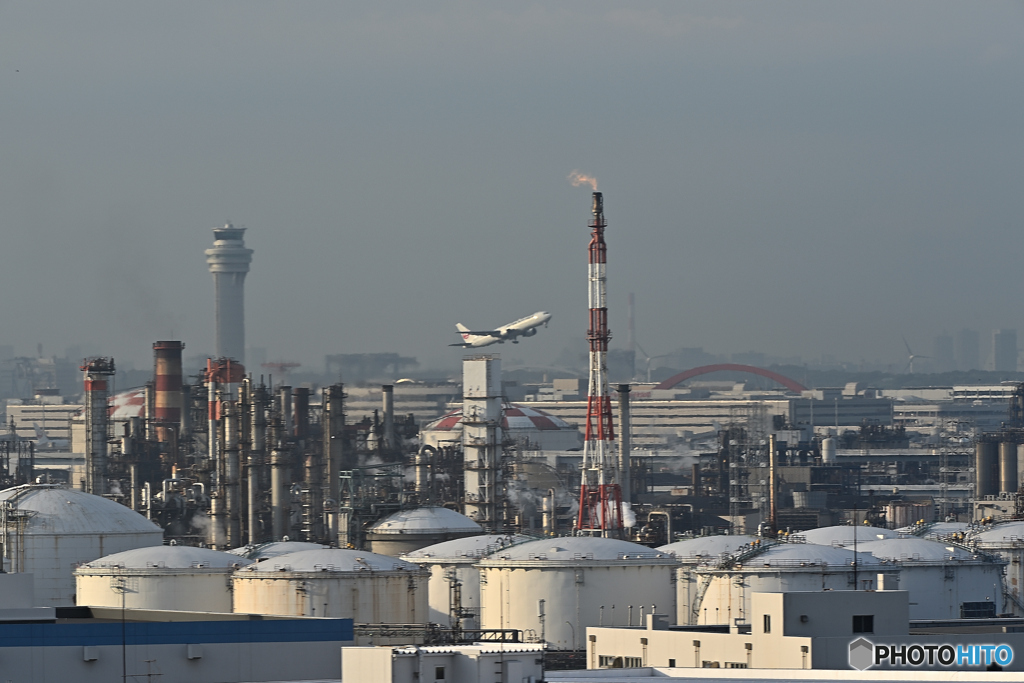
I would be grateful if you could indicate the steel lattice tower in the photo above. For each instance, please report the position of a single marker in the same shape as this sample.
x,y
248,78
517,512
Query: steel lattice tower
x,y
600,496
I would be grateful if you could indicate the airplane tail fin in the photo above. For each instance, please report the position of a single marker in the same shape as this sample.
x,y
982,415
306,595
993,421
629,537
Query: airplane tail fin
x,y
41,438
463,331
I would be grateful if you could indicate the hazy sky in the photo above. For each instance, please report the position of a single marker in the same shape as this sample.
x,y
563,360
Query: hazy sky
x,y
797,178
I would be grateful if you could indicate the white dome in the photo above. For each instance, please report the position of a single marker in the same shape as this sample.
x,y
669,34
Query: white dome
x,y
331,560
706,546
431,520
792,555
68,512
579,549
469,548
262,551
169,557
843,535
936,530
1006,534
913,549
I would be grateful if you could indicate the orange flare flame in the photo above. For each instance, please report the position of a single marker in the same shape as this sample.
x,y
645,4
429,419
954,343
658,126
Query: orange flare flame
x,y
577,178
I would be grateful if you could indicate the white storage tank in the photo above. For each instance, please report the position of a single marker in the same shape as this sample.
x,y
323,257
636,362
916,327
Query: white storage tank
x,y
49,530
936,531
701,551
942,580
553,589
166,577
1006,540
776,569
843,535
455,561
337,583
409,530
263,551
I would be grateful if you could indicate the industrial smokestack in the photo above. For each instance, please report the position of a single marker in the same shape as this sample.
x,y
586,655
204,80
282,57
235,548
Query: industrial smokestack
x,y
97,373
168,399
600,509
229,261
388,394
301,421
625,445
334,433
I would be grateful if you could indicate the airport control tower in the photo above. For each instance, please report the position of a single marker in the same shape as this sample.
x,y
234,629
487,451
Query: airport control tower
x,y
229,262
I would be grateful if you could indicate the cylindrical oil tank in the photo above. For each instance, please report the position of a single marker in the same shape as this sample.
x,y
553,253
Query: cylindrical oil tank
x,y
262,551
843,535
336,583
941,578
50,530
1008,467
936,531
701,551
1006,541
454,577
986,468
409,530
828,450
776,569
165,577
555,588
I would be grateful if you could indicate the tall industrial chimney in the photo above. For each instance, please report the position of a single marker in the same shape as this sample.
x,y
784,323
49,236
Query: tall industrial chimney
x,y
169,400
229,261
600,510
97,373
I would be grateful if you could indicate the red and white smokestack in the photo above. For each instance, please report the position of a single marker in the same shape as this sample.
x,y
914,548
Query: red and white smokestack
x,y
168,401
97,392
600,497
167,375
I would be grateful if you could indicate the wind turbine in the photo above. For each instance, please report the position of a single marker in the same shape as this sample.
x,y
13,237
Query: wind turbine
x,y
910,358
648,359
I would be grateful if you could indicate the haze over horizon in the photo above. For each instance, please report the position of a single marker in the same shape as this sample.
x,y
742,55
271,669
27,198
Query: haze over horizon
x,y
795,178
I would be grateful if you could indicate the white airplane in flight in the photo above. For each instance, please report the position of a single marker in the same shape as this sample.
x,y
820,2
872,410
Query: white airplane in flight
x,y
524,327
45,443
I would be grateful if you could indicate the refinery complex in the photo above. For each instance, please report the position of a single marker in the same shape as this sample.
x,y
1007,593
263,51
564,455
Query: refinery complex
x,y
225,524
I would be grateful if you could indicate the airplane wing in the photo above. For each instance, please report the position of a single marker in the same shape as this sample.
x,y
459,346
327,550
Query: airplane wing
x,y
462,345
487,333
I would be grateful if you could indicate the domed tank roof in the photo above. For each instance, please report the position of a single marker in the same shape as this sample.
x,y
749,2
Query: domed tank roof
x,y
579,548
55,510
843,535
469,548
262,551
169,557
331,560
936,530
914,549
706,546
516,417
1005,534
429,520
794,555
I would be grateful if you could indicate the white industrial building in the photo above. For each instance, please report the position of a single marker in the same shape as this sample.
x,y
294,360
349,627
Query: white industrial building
x,y
480,663
454,577
165,577
48,530
334,583
552,589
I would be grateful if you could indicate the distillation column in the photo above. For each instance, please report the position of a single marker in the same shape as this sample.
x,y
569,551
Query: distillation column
x,y
600,496
481,418
229,261
333,447
257,453
97,373
625,446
